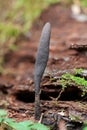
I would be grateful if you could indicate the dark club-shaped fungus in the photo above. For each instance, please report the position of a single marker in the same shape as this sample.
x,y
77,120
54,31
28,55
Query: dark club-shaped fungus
x,y
40,65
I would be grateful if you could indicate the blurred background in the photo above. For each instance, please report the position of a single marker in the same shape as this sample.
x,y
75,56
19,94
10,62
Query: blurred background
x,y
17,16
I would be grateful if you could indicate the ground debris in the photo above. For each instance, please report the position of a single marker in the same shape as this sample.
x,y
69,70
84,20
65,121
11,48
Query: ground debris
x,y
79,44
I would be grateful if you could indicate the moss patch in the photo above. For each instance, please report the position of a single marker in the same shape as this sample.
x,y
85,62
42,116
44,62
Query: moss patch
x,y
69,79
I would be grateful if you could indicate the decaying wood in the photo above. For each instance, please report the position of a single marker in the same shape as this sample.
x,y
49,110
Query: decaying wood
x,y
78,47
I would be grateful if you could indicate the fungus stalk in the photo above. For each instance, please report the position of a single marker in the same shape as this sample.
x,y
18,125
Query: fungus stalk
x,y
40,65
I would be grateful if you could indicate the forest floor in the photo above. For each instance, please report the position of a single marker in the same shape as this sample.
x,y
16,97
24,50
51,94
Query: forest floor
x,y
68,46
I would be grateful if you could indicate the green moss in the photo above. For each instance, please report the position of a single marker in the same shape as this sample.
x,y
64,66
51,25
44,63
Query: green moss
x,y
78,71
68,79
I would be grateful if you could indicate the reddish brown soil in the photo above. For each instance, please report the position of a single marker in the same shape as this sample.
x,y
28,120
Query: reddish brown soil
x,y
19,65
